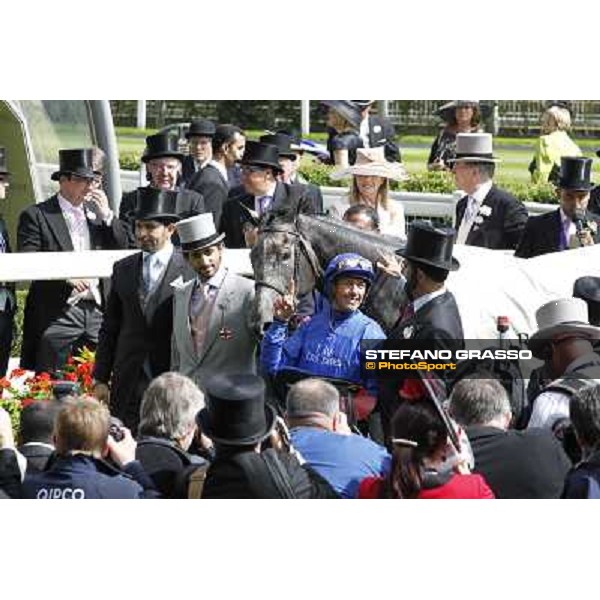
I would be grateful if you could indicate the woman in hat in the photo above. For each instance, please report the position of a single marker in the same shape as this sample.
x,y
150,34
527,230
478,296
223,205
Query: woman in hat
x,y
343,120
328,345
424,463
371,176
459,116
553,143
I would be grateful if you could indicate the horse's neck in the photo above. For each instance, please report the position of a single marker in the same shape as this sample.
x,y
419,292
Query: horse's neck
x,y
329,238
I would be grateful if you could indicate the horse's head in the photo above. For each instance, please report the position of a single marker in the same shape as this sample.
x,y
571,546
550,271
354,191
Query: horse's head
x,y
278,257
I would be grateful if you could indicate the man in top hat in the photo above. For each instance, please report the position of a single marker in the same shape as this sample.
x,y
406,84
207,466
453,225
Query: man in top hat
x,y
199,137
571,225
213,180
244,430
135,337
377,131
62,314
588,289
565,341
432,315
8,301
212,328
288,158
261,193
163,162
487,216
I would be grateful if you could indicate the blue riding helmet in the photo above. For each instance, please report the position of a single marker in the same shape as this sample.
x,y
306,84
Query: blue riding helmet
x,y
348,265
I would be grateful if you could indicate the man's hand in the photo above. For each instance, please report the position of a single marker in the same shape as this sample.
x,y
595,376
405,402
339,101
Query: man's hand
x,y
390,265
122,452
285,306
585,237
6,433
102,392
99,203
80,285
341,424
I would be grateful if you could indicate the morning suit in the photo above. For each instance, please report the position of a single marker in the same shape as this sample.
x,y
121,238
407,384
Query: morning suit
x,y
188,170
189,203
134,345
519,464
214,188
240,207
502,229
229,343
42,228
8,305
435,326
542,234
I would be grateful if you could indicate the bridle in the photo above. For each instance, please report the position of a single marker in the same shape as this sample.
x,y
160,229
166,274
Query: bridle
x,y
299,243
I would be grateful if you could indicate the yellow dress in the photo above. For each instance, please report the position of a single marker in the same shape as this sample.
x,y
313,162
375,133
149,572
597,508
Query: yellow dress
x,y
548,151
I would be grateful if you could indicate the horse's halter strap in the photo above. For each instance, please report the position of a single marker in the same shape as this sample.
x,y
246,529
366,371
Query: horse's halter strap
x,y
299,243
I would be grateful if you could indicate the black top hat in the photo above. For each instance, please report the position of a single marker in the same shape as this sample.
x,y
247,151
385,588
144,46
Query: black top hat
x,y
261,155
283,143
362,104
153,204
347,109
161,145
575,173
3,167
75,161
588,289
201,128
430,245
236,413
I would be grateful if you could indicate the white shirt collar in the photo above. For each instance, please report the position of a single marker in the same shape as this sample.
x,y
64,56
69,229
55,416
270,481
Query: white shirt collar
x,y
482,191
163,256
421,301
66,206
217,279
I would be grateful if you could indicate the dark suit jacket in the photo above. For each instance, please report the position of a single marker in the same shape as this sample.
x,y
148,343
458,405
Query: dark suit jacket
x,y
519,464
436,326
502,230
381,133
188,170
542,234
130,332
42,228
10,286
189,203
213,187
235,210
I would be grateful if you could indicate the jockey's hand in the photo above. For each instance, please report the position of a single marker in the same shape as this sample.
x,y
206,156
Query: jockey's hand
x,y
80,285
101,392
285,306
390,265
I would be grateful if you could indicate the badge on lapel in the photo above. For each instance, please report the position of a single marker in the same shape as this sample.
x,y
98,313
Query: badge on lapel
x,y
225,333
407,332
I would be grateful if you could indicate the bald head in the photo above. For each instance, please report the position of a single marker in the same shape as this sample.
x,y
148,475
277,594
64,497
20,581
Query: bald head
x,y
312,396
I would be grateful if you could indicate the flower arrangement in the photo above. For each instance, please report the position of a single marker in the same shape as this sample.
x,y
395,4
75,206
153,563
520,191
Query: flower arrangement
x,y
19,390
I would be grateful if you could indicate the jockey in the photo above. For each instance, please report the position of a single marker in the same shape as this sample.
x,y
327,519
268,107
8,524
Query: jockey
x,y
329,344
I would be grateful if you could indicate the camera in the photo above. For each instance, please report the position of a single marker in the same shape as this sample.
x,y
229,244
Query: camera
x,y
115,429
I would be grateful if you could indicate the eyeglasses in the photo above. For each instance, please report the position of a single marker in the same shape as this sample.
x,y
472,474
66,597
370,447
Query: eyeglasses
x,y
353,263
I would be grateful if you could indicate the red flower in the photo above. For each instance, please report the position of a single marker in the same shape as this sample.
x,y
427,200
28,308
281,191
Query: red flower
x,y
70,376
70,360
43,376
4,383
16,373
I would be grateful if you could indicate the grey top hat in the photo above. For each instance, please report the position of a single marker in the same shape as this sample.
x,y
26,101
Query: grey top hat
x,y
198,232
559,318
474,147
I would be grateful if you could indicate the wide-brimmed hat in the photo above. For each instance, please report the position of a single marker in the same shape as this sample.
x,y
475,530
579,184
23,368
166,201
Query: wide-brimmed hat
x,y
3,167
161,145
474,147
258,154
201,128
560,318
446,111
75,161
430,245
372,162
575,173
362,104
198,232
236,413
153,204
347,109
283,143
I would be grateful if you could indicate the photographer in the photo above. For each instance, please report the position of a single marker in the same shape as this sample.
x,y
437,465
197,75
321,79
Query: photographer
x,y
82,440
320,432
246,433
